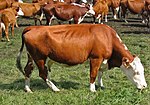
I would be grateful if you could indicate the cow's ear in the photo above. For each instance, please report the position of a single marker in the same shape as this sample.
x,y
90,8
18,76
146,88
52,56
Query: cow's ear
x,y
125,62
149,7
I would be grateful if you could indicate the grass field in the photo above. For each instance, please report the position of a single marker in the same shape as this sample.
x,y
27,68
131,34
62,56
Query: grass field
x,y
74,81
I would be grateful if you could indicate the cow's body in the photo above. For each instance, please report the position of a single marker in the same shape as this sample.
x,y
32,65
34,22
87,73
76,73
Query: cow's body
x,y
29,10
6,3
101,9
74,44
134,6
8,17
65,12
112,4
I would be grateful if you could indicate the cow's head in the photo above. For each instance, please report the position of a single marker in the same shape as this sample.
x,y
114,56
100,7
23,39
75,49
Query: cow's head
x,y
90,9
134,71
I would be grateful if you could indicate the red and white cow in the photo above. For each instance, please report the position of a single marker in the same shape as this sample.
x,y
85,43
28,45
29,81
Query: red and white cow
x,y
74,44
101,10
112,4
66,12
29,10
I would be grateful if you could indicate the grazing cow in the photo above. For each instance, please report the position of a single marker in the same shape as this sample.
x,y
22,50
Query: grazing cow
x,y
6,3
74,44
66,12
29,10
8,17
101,10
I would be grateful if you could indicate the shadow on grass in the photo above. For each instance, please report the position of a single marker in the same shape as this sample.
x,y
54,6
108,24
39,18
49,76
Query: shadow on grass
x,y
38,84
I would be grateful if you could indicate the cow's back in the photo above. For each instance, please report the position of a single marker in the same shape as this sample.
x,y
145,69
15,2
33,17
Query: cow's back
x,y
70,44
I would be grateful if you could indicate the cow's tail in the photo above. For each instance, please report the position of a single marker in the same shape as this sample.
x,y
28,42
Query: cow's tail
x,y
18,61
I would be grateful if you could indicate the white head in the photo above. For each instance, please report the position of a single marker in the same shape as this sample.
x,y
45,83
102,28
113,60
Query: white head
x,y
134,71
91,11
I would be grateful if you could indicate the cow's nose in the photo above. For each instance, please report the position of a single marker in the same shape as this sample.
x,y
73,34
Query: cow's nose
x,y
144,86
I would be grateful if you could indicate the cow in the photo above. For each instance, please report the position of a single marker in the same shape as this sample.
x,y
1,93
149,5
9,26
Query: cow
x,y
6,3
29,10
8,17
74,44
114,5
101,9
134,6
66,12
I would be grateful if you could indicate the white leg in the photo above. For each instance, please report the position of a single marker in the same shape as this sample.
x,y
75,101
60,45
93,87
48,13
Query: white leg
x,y
100,82
116,10
92,87
115,16
106,18
51,85
27,85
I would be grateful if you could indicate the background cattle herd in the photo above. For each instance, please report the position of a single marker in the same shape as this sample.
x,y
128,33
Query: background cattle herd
x,y
68,10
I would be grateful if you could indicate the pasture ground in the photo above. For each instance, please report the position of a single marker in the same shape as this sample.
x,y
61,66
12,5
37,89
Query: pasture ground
x,y
74,81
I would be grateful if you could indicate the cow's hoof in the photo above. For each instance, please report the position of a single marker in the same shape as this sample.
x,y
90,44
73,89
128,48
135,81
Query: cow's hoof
x,y
102,87
28,91
56,90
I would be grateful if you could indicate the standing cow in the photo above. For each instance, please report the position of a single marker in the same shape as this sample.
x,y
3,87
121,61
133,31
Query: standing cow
x,y
8,18
74,44
66,12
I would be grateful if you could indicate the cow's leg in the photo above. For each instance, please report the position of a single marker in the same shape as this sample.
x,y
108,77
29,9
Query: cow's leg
x,y
35,20
94,18
28,70
123,13
12,29
76,20
115,12
49,64
94,67
50,19
6,32
43,73
106,18
100,82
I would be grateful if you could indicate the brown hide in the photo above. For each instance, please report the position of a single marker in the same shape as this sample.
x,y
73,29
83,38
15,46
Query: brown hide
x,y
29,9
112,4
6,3
72,1
71,45
115,3
136,6
8,17
64,12
100,7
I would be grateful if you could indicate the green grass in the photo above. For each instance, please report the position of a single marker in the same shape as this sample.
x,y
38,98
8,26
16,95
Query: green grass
x,y
74,81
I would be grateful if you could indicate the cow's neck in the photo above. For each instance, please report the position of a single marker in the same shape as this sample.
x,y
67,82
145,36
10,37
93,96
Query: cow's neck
x,y
119,51
84,10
